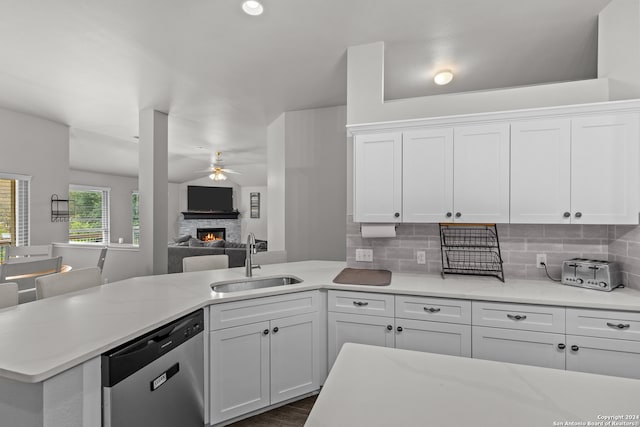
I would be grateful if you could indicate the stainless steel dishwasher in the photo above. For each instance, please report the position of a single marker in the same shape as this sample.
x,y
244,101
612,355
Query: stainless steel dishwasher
x,y
157,379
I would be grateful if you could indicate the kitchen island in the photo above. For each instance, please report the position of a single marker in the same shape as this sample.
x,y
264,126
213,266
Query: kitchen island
x,y
50,352
377,386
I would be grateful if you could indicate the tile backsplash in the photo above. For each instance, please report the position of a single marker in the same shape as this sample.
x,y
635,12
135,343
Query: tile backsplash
x,y
519,245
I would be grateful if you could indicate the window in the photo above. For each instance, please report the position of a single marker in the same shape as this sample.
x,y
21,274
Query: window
x,y
89,216
14,211
135,235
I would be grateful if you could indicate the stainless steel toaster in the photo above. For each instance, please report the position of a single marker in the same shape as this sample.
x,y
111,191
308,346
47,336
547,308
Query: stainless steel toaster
x,y
591,273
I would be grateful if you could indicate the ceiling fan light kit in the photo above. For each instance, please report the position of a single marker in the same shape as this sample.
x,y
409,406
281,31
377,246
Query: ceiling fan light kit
x,y
252,7
443,77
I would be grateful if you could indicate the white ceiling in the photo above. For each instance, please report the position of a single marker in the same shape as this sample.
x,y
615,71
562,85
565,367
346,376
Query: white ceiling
x,y
224,76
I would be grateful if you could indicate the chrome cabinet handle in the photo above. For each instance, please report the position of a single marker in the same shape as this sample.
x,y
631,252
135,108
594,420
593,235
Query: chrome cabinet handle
x,y
265,332
619,325
389,327
360,303
276,329
431,309
516,317
575,348
561,346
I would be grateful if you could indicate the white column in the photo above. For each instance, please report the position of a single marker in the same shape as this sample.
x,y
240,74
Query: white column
x,y
153,185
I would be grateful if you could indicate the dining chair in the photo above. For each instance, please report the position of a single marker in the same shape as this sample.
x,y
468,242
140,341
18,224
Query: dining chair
x,y
71,281
8,294
102,258
205,262
24,273
28,252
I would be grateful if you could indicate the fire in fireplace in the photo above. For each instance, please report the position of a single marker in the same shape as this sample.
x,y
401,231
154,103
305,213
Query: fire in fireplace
x,y
209,234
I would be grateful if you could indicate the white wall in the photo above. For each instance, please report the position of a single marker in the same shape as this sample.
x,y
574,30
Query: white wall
x,y
315,184
619,48
121,262
257,226
365,93
276,184
174,214
39,148
122,187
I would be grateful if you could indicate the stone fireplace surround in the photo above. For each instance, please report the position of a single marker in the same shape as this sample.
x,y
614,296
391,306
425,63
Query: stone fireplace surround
x,y
232,226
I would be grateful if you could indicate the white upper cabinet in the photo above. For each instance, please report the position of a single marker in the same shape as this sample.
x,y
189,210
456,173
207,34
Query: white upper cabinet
x,y
481,173
604,169
577,164
378,177
427,175
541,172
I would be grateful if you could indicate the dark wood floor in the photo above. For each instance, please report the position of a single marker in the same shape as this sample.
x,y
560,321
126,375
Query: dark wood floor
x,y
291,415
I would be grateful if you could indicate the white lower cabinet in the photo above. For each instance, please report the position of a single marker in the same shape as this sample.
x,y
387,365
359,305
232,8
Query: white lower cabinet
x,y
518,346
294,356
239,370
359,329
603,356
266,362
433,337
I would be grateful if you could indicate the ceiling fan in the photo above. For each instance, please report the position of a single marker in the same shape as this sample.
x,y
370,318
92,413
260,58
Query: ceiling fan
x,y
218,170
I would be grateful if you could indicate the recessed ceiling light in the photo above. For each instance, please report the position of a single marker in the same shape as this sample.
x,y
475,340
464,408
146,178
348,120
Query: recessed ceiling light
x,y
252,7
443,77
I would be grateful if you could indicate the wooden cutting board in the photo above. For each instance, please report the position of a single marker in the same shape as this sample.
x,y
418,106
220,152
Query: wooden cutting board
x,y
357,276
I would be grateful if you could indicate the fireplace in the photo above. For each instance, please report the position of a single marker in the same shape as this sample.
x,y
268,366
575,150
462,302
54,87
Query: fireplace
x,y
209,234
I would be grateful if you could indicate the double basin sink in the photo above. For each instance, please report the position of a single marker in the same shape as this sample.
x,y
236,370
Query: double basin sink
x,y
251,284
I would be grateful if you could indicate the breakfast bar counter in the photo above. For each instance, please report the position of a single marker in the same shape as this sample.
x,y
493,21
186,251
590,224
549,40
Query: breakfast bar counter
x,y
379,386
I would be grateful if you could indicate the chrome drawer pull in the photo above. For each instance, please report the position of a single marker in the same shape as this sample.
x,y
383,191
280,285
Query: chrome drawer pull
x,y
360,303
619,325
516,317
431,309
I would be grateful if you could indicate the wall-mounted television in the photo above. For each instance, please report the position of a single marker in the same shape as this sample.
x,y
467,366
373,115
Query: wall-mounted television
x,y
209,199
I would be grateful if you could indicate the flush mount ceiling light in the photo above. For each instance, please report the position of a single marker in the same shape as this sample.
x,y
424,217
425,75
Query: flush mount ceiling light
x,y
443,77
252,7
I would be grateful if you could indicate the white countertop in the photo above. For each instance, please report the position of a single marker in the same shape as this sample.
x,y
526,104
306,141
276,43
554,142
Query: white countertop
x,y
379,386
43,338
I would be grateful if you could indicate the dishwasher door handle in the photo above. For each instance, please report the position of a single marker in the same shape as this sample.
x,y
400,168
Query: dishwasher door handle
x,y
158,381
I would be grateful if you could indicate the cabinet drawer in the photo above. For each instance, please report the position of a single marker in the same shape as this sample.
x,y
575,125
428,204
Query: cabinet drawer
x,y
526,317
433,309
238,313
605,324
361,303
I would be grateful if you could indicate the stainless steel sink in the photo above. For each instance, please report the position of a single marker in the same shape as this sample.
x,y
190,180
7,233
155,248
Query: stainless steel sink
x,y
257,283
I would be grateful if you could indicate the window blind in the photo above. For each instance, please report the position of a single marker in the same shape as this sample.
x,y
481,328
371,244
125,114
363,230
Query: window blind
x,y
14,211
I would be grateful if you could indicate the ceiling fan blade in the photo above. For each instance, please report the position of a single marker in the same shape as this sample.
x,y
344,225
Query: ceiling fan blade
x,y
231,171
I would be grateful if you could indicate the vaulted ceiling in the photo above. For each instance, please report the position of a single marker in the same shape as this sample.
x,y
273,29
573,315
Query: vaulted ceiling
x,y
223,76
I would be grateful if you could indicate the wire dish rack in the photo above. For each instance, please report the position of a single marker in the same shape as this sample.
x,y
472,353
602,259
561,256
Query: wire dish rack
x,y
472,249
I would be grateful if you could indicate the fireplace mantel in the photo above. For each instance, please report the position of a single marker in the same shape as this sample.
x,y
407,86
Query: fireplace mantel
x,y
211,215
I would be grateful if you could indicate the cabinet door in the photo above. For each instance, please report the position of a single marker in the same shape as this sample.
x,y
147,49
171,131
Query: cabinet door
x,y
433,337
603,356
481,173
524,347
378,178
239,375
604,169
427,175
295,352
541,172
359,329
